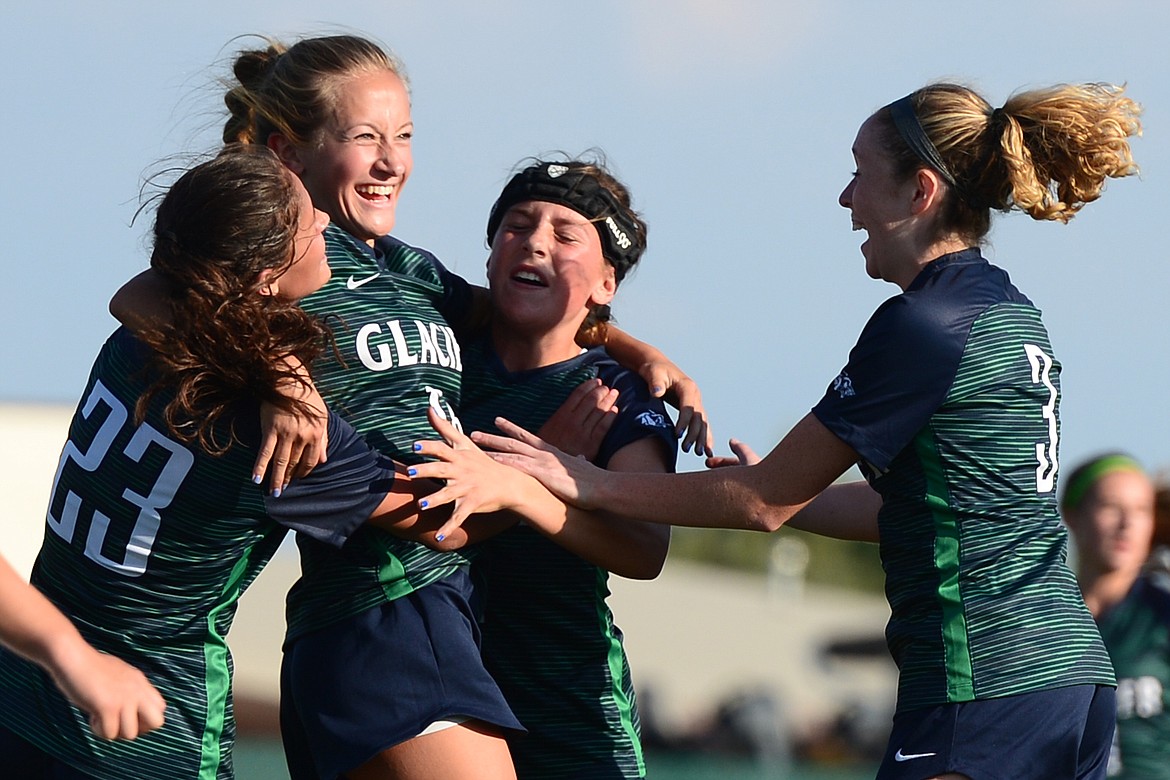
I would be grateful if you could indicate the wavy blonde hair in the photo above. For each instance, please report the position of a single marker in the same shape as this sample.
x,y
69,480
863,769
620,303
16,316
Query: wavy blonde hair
x,y
1047,152
292,90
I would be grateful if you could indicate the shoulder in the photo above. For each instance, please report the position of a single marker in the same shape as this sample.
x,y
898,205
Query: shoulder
x,y
640,415
939,309
629,384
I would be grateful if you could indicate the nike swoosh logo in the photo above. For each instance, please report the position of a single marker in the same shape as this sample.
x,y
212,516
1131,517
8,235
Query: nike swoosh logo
x,y
900,756
353,284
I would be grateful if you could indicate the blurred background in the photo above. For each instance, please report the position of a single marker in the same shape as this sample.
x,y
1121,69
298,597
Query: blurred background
x,y
731,122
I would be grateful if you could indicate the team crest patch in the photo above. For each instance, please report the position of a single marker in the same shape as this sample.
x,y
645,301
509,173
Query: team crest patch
x,y
554,171
650,419
843,386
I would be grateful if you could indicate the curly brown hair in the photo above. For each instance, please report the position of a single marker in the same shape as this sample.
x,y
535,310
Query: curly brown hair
x,y
226,345
1046,152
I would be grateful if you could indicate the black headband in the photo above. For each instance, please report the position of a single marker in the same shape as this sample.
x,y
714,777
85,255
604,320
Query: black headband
x,y
906,121
566,185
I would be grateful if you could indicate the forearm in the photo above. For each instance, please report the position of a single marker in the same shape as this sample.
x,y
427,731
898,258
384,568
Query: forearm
x,y
628,548
762,497
728,498
843,511
33,628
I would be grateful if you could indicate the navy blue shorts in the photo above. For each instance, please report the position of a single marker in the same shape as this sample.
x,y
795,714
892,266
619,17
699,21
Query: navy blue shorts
x,y
20,758
364,684
1062,733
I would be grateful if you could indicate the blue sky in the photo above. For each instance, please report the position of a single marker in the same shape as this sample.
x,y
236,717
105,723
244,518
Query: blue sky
x,y
731,121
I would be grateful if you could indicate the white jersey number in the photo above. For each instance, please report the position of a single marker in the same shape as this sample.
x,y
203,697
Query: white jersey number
x,y
1045,451
162,492
437,402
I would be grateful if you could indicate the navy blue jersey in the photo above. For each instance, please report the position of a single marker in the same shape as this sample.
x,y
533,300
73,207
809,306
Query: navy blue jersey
x,y
149,543
951,399
549,638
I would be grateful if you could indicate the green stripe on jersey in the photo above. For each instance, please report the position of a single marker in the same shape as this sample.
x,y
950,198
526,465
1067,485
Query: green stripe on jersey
x,y
957,654
619,670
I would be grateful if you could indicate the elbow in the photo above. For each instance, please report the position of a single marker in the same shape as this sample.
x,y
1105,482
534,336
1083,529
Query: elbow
x,y
638,571
646,566
644,570
766,518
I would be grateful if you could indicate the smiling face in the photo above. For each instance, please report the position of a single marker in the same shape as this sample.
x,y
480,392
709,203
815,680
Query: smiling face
x,y
1114,522
546,270
309,269
361,159
879,203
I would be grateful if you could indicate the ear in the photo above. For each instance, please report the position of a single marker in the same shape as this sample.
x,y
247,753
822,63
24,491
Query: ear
x,y
928,191
286,152
269,285
606,289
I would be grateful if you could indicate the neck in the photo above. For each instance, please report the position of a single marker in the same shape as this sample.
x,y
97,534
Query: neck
x,y
925,255
1104,590
520,350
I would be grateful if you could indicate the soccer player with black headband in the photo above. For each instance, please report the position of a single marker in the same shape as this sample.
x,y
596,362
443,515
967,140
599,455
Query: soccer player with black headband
x,y
563,236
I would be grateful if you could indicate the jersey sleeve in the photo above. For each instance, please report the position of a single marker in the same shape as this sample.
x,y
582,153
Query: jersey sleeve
x,y
897,376
640,416
333,500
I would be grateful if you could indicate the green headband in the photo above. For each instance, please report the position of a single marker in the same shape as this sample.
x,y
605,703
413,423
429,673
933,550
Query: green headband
x,y
1086,476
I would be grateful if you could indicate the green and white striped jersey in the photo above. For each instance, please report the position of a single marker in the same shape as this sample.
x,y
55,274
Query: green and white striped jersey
x,y
398,356
149,543
951,398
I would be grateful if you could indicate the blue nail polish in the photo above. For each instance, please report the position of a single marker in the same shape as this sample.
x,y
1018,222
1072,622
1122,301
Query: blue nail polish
x,y
417,447
412,472
276,492
257,479
422,504
439,537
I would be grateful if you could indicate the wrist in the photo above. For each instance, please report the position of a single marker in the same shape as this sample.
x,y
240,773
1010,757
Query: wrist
x,y
64,653
532,501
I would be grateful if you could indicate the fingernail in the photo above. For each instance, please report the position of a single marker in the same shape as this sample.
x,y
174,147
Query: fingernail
x,y
276,492
412,472
656,389
257,479
440,537
417,447
422,504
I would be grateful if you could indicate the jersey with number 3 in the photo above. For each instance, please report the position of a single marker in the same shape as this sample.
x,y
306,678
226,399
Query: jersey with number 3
x,y
951,400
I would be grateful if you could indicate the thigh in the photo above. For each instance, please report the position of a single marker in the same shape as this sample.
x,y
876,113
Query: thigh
x,y
464,752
